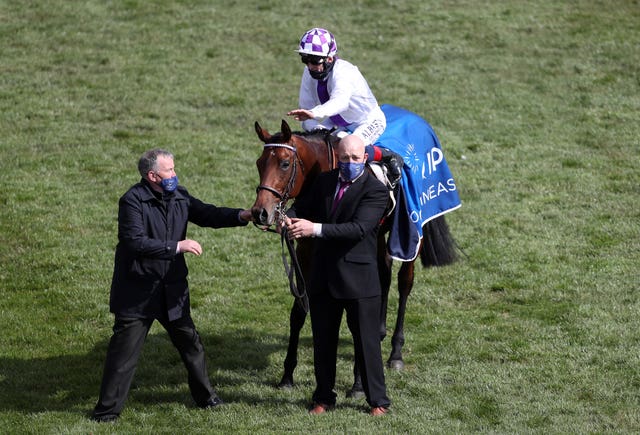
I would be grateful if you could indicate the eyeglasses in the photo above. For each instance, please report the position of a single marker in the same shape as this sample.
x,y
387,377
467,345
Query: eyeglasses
x,y
312,59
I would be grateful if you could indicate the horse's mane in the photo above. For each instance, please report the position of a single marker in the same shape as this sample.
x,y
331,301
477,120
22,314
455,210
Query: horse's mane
x,y
319,132
319,139
312,136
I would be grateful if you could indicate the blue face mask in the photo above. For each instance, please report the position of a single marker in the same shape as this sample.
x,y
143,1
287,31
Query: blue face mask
x,y
169,184
350,171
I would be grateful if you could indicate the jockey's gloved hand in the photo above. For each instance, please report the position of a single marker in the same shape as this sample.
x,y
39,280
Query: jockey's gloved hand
x,y
391,160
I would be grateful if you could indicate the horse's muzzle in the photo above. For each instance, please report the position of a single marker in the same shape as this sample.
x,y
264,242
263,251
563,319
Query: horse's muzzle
x,y
261,216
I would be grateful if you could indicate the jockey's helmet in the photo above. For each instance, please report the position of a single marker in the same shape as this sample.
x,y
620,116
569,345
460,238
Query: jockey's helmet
x,y
315,46
318,42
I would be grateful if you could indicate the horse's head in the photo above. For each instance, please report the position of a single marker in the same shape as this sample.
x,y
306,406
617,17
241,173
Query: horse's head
x,y
281,173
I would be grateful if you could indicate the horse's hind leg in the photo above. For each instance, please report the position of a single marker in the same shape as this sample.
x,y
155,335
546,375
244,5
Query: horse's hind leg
x,y
385,264
405,284
296,322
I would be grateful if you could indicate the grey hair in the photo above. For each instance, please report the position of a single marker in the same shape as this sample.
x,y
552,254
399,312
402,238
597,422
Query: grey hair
x,y
149,160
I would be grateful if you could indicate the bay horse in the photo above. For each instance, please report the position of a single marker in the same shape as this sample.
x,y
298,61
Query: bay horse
x,y
287,167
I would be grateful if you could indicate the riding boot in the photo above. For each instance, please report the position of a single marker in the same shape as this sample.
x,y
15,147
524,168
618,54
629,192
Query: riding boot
x,y
392,161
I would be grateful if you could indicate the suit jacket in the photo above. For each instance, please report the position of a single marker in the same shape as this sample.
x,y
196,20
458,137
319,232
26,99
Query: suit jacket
x,y
149,278
344,261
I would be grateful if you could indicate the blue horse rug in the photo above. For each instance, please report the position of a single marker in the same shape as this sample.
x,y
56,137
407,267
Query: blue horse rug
x,y
428,189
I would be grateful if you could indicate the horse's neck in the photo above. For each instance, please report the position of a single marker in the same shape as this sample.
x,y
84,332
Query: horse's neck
x,y
324,153
316,155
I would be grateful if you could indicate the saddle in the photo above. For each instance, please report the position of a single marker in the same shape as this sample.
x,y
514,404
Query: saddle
x,y
379,170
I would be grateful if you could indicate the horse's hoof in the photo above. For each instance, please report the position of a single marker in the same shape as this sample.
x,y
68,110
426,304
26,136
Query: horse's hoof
x,y
396,364
285,383
355,393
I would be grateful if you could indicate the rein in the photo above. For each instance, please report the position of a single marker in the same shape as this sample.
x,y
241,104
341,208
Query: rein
x,y
297,286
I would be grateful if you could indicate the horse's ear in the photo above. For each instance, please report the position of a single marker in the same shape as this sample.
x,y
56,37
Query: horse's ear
x,y
286,131
262,133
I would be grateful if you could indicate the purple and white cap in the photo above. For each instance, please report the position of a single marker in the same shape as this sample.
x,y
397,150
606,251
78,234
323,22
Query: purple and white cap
x,y
318,42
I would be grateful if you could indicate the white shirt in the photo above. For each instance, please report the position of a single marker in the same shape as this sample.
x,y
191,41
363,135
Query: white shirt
x,y
349,96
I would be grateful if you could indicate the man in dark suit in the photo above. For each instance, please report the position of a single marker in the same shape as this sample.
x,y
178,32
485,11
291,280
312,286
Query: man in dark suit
x,y
343,213
150,279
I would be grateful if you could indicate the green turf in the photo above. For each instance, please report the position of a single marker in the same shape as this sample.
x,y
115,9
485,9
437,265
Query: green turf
x,y
537,106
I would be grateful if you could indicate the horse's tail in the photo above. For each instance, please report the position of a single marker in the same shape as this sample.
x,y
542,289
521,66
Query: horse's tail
x,y
438,245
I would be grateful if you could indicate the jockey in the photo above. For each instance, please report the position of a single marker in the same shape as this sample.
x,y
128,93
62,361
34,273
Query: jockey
x,y
335,95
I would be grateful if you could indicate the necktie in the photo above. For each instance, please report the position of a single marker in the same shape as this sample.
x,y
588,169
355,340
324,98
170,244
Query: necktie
x,y
336,200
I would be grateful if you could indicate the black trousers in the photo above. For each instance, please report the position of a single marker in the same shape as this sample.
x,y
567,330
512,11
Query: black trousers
x,y
363,317
126,344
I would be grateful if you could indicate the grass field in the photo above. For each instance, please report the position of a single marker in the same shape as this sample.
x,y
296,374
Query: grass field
x,y
537,105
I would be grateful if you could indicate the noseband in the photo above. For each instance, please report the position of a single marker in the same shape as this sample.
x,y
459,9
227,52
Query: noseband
x,y
283,196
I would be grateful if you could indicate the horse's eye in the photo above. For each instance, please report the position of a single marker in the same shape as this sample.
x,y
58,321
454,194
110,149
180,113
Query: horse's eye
x,y
284,165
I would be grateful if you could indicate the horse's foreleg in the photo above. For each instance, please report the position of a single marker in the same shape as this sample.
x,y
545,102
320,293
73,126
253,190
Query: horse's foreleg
x,y
296,318
296,322
357,390
405,284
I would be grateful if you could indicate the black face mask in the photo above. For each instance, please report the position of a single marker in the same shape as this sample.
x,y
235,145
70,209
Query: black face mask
x,y
321,75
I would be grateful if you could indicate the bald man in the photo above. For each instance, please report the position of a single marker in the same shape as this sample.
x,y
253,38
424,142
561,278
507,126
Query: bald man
x,y
343,213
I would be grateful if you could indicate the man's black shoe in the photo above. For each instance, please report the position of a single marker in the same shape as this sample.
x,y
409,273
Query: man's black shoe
x,y
394,164
107,418
212,402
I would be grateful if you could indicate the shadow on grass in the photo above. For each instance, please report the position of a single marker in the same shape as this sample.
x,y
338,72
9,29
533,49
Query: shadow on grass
x,y
63,382
72,382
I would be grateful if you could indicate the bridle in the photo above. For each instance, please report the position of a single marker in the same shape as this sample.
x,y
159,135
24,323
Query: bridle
x,y
284,196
